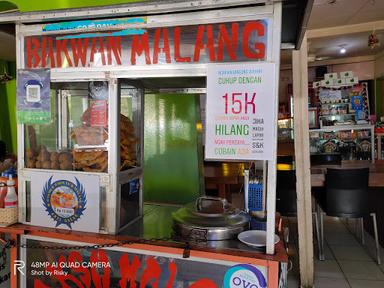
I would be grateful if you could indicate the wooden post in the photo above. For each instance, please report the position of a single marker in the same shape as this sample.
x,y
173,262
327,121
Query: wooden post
x,y
303,173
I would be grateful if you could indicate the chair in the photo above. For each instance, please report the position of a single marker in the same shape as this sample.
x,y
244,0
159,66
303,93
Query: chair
x,y
326,159
286,203
346,196
284,159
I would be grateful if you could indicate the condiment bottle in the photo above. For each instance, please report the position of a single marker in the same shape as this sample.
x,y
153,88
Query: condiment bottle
x,y
5,175
3,192
10,200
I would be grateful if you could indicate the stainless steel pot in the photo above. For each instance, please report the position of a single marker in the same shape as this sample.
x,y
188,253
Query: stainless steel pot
x,y
209,218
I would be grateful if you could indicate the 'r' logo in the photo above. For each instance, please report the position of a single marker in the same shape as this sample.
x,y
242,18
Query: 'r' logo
x,y
19,266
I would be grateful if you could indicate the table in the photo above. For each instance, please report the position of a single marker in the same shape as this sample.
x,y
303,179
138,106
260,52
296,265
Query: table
x,y
375,195
190,259
376,171
222,175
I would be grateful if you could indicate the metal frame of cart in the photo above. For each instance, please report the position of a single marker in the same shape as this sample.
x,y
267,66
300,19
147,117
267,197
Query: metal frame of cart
x,y
111,180
270,12
273,271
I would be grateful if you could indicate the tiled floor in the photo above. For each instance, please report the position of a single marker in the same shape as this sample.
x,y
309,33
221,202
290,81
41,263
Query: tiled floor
x,y
348,263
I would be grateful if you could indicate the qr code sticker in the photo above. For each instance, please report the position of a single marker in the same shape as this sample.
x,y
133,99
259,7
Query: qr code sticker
x,y
33,93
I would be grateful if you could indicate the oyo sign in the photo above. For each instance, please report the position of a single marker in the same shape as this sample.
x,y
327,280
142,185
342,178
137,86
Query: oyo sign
x,y
244,276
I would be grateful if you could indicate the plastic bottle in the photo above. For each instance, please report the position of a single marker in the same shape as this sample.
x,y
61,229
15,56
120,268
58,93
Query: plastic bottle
x,y
10,200
5,175
3,192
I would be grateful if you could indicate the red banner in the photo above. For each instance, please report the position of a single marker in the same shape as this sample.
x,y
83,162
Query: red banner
x,y
229,42
73,272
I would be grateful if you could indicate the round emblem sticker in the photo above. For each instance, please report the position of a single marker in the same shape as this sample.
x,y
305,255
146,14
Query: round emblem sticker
x,y
244,275
64,201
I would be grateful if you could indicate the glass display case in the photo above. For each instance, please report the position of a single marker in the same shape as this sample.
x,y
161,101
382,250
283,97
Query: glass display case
x,y
285,129
348,105
343,117
78,142
352,143
77,138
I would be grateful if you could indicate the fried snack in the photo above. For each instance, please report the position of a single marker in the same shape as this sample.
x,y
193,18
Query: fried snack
x,y
46,165
90,160
32,138
97,160
128,142
29,153
38,164
66,165
65,157
54,157
31,163
84,135
44,155
55,165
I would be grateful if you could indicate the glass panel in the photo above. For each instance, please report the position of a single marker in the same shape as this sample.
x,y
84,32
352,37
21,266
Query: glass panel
x,y
171,153
28,199
103,207
129,126
129,201
77,137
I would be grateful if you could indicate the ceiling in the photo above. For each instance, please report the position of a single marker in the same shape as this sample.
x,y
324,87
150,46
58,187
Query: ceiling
x,y
331,13
344,12
355,44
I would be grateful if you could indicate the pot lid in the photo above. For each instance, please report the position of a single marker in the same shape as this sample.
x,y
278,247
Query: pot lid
x,y
210,215
211,207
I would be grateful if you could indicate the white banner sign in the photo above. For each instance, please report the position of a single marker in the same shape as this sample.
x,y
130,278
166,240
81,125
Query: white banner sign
x,y
240,111
65,200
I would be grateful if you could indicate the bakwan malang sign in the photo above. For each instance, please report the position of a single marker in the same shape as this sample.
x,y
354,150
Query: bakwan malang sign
x,y
206,43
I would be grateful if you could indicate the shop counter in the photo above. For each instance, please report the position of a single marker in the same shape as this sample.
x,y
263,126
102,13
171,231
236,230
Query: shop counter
x,y
148,244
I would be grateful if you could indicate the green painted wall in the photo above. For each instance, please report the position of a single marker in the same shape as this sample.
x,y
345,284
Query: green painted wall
x,y
171,171
10,88
36,5
8,129
5,5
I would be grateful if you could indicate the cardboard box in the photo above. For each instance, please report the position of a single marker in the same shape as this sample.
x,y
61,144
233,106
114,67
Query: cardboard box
x,y
346,74
339,82
316,84
330,76
326,83
352,80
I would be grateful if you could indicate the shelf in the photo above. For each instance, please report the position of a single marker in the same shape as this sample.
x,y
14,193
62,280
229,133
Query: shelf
x,y
342,127
347,114
90,147
336,103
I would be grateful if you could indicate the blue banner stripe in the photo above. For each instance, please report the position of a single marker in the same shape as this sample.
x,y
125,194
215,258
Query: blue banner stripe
x,y
89,24
125,32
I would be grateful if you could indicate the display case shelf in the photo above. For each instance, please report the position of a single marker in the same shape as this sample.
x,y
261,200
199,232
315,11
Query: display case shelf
x,y
352,141
336,103
343,127
329,115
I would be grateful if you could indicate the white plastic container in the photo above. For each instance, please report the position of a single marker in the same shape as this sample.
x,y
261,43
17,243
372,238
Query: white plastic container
x,y
10,200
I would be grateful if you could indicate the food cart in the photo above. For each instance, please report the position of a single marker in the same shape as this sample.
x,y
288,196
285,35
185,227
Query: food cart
x,y
82,218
